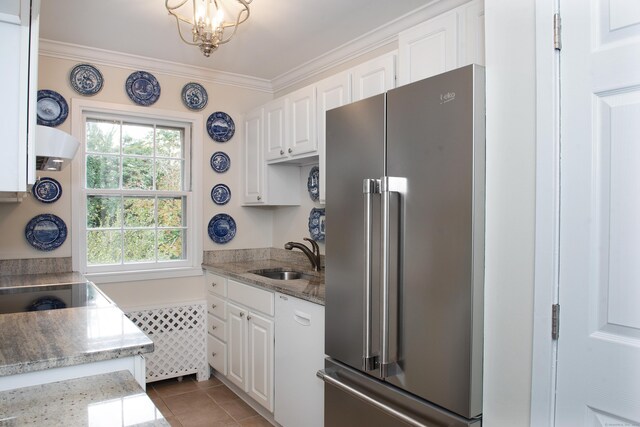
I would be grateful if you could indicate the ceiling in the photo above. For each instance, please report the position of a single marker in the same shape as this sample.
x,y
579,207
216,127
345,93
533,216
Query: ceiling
x,y
279,35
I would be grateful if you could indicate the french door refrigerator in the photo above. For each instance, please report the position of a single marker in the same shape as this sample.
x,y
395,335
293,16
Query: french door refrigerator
x,y
405,255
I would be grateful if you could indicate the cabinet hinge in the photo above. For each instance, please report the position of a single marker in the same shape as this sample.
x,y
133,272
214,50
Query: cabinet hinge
x,y
557,31
555,321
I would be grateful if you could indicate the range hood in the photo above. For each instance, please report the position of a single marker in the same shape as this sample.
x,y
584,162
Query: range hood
x,y
54,148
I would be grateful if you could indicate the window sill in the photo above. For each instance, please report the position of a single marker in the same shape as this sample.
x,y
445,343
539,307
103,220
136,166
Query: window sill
x,y
134,276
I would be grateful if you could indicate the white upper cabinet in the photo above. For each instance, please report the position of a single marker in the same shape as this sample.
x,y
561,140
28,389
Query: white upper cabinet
x,y
448,41
332,92
302,123
374,77
18,86
276,141
252,154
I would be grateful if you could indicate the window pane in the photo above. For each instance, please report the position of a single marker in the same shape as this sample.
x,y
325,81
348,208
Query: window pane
x,y
137,173
139,212
103,212
168,142
103,137
104,247
103,172
170,245
137,139
169,175
170,212
139,245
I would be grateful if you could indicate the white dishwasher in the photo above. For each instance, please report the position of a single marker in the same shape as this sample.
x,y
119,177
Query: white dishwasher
x,y
299,334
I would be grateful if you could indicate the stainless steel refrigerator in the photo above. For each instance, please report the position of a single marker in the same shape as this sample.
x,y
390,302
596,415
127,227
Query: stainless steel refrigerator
x,y
405,255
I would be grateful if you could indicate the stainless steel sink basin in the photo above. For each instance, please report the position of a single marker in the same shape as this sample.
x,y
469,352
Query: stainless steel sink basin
x,y
281,274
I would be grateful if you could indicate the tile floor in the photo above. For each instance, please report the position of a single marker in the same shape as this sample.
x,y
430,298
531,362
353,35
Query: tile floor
x,y
190,403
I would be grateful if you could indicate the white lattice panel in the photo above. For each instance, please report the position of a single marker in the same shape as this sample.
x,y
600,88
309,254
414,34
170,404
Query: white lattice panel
x,y
179,335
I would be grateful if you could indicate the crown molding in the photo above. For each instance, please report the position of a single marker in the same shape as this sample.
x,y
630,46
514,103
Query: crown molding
x,y
381,36
111,58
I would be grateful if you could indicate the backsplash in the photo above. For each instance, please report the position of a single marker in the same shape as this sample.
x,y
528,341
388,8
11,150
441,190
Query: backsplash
x,y
10,267
240,255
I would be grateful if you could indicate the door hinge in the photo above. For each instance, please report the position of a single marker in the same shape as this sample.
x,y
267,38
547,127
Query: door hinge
x,y
555,321
557,32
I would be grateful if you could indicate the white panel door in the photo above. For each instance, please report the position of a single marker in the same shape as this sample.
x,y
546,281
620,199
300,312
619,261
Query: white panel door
x,y
374,77
332,92
598,368
303,139
253,164
428,49
260,359
237,345
275,129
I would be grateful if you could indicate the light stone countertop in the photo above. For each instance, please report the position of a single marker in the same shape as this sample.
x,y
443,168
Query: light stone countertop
x,y
20,280
310,290
113,399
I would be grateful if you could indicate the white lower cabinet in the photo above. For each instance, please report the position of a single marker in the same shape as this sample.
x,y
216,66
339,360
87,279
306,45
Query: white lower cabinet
x,y
299,355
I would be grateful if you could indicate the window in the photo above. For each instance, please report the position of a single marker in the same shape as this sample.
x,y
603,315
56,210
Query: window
x,y
137,195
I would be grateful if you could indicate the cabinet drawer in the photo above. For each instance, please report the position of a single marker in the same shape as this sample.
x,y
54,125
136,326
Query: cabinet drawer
x,y
217,354
216,284
217,306
251,297
217,328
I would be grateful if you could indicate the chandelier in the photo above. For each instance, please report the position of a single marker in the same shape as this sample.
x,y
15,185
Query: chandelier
x,y
209,28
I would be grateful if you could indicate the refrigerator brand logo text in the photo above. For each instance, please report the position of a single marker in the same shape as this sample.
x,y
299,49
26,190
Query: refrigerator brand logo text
x,y
449,96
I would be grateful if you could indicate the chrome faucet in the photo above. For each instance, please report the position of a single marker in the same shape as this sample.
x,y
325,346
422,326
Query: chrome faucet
x,y
314,257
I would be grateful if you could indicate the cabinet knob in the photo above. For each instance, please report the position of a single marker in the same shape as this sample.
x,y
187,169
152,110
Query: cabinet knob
x,y
213,353
290,150
241,314
284,298
248,317
213,327
213,306
259,197
281,152
213,284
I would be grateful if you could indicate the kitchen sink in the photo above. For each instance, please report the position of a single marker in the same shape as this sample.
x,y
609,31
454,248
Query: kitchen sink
x,y
281,274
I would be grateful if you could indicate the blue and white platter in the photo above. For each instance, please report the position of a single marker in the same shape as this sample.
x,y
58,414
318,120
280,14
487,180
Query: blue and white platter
x,y
316,224
220,194
313,183
47,190
222,228
46,232
194,96
220,162
142,88
47,303
86,79
220,126
52,108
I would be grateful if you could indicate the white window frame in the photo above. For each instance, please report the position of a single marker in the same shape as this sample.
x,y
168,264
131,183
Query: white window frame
x,y
80,109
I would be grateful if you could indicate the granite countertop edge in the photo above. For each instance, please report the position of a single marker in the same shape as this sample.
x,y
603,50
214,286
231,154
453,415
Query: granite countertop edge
x,y
310,290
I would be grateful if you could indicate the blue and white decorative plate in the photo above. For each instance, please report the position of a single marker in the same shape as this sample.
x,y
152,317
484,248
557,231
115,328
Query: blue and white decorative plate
x,y
86,79
220,126
52,108
220,162
46,232
313,183
220,194
194,96
316,224
47,303
143,88
222,228
47,190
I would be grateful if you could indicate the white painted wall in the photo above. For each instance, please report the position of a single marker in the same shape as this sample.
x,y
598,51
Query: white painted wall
x,y
511,121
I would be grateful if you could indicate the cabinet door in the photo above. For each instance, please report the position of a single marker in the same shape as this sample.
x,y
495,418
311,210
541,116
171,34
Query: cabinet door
x,y
275,129
253,164
236,345
374,77
303,140
429,48
472,51
332,92
260,360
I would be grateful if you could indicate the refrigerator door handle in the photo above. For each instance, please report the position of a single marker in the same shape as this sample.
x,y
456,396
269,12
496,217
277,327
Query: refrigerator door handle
x,y
388,185
369,187
327,378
